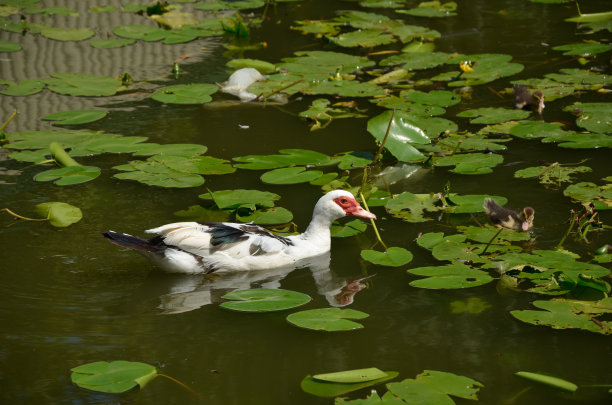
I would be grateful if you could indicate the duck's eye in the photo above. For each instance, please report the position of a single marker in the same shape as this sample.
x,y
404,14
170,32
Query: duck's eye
x,y
343,200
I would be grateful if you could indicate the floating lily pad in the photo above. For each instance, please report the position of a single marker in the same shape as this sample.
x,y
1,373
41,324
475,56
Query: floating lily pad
x,y
548,131
411,207
60,34
327,389
264,300
586,141
76,84
569,314
173,149
487,68
553,174
317,27
9,46
111,43
269,216
490,115
113,377
49,11
351,228
344,88
440,98
549,380
75,117
288,157
401,136
417,61
583,49
195,93
594,117
576,77
321,114
69,175
233,199
323,62
434,387
169,178
591,192
327,319
451,276
393,256
432,9
366,38
470,163
59,214
23,88
144,32
352,376
290,175
485,233
193,164
262,67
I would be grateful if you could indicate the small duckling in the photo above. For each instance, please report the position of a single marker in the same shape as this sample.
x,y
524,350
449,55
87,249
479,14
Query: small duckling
x,y
525,100
504,218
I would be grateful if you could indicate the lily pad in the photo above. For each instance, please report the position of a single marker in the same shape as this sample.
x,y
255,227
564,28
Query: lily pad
x,y
290,175
432,9
434,387
233,199
366,38
171,149
264,300
411,207
485,234
591,192
77,84
351,228
451,276
262,67
393,256
586,141
288,157
75,117
490,115
417,61
470,163
23,88
549,380
59,214
9,46
69,175
402,135
472,305
569,314
352,376
548,131
327,389
73,34
111,43
553,174
594,117
487,68
195,93
327,319
269,216
583,49
113,377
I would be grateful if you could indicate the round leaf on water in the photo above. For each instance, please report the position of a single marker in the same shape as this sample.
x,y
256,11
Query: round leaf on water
x,y
270,216
451,384
327,319
491,115
452,276
185,93
583,49
393,256
549,380
264,300
69,175
432,9
586,141
548,131
232,199
594,117
290,175
486,233
113,377
417,61
351,228
470,163
329,390
174,149
366,38
75,117
440,98
23,88
111,43
145,32
9,46
59,214
551,174
60,34
413,392
352,376
402,135
168,178
262,66
76,84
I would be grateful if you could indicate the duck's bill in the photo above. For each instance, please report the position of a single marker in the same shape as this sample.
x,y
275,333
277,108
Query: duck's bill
x,y
361,213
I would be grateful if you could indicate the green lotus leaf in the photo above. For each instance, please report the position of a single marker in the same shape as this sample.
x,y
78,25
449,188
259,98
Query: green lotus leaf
x,y
410,107
549,380
195,93
322,114
464,142
393,256
430,239
323,62
290,175
583,49
329,390
451,384
402,134
144,32
327,319
156,173
23,88
553,174
594,117
49,11
432,9
113,377
74,34
415,392
586,141
59,214
548,131
591,192
232,199
229,5
344,88
262,66
441,98
366,38
486,233
411,207
69,175
194,164
76,84
569,314
269,216
174,149
350,228
382,3
111,43
470,163
352,376
472,305
490,115
318,28
487,68
75,117
365,20
264,300
9,46
577,77
418,61
199,213
451,276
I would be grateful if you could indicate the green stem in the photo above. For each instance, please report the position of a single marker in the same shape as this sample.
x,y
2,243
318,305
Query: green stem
x,y
365,205
13,115
8,211
188,388
264,97
572,222
491,241
61,156
382,144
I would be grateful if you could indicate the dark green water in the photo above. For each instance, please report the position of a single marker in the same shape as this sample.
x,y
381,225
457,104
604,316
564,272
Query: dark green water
x,y
67,297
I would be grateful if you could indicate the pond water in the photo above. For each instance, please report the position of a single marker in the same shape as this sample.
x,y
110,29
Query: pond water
x,y
68,297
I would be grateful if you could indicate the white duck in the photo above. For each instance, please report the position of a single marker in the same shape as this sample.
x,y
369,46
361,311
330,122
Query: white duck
x,y
193,247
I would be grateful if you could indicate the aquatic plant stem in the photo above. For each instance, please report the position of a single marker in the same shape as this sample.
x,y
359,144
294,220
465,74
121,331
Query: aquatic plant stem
x,y
278,90
365,204
188,388
569,230
61,156
491,241
8,211
13,115
382,144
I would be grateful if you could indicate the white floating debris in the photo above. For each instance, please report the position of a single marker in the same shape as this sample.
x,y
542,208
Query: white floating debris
x,y
239,82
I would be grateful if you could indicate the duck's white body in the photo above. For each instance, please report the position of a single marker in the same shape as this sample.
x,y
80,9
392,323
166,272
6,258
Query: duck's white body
x,y
192,247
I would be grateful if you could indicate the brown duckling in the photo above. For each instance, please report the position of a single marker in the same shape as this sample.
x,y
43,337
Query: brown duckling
x,y
504,218
525,100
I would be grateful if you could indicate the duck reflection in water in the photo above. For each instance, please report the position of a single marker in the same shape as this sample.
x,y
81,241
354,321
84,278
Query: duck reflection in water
x,y
189,292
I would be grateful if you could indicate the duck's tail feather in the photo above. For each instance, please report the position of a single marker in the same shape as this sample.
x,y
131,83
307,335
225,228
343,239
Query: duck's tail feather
x,y
154,245
490,206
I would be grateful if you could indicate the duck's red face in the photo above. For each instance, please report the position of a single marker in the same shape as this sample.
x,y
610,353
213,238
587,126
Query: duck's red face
x,y
351,207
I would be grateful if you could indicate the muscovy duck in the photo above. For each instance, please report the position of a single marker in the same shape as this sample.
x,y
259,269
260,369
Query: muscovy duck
x,y
505,218
193,247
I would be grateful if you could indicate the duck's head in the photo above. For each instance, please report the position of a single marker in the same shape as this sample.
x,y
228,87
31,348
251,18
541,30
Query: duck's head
x,y
340,203
527,216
